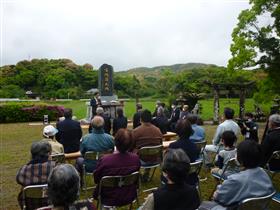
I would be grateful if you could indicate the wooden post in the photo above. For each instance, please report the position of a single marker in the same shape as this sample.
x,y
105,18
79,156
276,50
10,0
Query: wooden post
x,y
242,103
216,106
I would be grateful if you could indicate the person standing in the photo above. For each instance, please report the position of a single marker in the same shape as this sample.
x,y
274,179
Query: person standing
x,y
137,116
119,122
175,114
249,128
69,133
94,103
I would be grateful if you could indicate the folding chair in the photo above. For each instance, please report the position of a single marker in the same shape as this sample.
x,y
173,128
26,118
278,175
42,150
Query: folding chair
x,y
274,157
232,163
195,167
95,156
201,146
35,196
258,203
58,158
276,197
153,153
118,182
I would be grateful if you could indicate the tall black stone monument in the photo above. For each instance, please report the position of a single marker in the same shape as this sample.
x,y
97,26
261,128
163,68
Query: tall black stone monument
x,y
109,101
105,80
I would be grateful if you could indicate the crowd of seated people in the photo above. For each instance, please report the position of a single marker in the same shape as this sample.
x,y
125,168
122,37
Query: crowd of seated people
x,y
124,160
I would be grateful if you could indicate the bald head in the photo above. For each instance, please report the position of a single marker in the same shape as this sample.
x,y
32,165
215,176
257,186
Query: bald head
x,y
97,122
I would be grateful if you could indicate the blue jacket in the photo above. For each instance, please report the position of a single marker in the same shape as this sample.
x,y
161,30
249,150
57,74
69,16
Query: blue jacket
x,y
198,133
97,141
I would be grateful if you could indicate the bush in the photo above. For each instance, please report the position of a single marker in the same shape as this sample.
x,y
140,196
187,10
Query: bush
x,y
28,112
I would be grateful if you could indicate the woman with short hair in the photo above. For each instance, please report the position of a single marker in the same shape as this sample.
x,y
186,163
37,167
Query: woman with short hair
x,y
120,163
64,190
184,131
176,194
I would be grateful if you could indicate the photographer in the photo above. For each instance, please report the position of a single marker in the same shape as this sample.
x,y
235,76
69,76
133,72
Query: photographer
x,y
249,128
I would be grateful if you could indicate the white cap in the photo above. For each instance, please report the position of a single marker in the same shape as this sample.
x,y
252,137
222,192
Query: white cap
x,y
49,130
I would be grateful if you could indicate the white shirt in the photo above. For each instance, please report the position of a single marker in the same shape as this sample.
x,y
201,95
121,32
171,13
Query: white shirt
x,y
227,125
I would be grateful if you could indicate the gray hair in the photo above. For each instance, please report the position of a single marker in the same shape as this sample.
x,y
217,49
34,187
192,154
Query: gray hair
x,y
99,110
176,164
63,185
97,122
275,119
40,150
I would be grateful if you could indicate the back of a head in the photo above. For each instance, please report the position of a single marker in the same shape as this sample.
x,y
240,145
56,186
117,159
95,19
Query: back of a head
x,y
249,115
249,154
68,113
176,164
160,111
138,106
183,128
229,138
228,113
192,118
63,185
99,110
123,140
120,112
40,150
97,122
275,120
146,116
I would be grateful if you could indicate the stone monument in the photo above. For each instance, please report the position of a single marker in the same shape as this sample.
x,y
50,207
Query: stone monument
x,y
109,101
105,84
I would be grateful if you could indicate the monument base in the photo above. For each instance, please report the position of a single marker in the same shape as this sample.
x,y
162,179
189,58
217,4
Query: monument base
x,y
108,99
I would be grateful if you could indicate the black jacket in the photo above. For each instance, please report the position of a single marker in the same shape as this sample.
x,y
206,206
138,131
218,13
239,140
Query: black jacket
x,y
176,197
69,135
119,122
270,144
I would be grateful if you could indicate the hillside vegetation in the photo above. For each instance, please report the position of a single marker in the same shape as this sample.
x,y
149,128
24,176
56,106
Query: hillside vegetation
x,y
62,78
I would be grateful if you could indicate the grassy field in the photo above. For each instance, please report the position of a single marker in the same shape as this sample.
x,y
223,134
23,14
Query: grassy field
x,y
79,107
16,140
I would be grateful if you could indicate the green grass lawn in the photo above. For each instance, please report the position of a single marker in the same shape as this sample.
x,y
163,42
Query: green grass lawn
x,y
79,107
16,140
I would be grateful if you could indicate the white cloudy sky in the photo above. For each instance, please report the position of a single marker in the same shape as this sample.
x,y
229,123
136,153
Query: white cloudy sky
x,y
123,33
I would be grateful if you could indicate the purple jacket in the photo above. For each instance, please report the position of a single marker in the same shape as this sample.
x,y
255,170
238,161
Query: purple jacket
x,y
116,164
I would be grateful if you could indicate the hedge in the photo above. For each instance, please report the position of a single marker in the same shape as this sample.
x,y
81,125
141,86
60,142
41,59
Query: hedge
x,y
16,112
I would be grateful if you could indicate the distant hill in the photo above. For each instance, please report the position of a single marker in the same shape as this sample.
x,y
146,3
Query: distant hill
x,y
157,70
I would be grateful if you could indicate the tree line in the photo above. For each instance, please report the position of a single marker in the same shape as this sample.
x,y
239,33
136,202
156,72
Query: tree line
x,y
62,78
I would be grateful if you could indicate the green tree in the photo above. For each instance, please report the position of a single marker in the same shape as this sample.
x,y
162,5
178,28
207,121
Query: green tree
x,y
256,40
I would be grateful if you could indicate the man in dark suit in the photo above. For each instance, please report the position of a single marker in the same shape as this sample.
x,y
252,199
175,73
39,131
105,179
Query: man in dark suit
x,y
175,114
69,133
94,103
137,116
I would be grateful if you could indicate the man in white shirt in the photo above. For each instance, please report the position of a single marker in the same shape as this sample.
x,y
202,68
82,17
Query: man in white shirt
x,y
227,125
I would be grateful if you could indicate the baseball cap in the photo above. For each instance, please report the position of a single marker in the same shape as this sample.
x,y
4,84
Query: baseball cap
x,y
49,130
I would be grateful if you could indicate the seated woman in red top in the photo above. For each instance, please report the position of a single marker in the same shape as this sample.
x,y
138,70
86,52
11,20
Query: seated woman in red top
x,y
119,163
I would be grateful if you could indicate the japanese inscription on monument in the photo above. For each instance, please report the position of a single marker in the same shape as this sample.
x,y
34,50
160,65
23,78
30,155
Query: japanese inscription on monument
x,y
105,80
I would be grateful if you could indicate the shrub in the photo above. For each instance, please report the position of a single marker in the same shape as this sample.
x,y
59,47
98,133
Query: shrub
x,y
28,112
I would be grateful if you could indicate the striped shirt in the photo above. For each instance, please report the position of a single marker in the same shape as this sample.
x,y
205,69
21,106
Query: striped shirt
x,y
34,173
